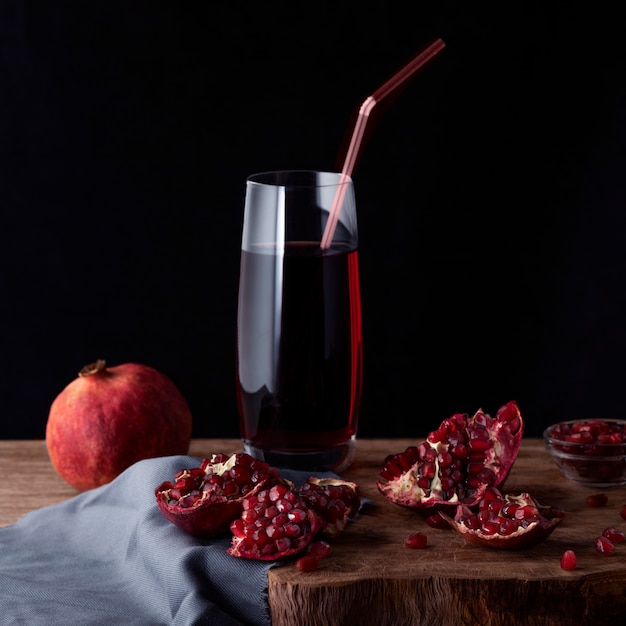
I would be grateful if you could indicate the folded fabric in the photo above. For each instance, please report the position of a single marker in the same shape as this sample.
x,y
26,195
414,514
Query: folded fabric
x,y
109,557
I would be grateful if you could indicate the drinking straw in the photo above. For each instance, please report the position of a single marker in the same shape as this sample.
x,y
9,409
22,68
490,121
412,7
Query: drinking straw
x,y
400,77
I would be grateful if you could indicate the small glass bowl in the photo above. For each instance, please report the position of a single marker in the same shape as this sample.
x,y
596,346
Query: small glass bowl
x,y
589,452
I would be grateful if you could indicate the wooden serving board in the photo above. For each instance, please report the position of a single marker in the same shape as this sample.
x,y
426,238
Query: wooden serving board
x,y
370,578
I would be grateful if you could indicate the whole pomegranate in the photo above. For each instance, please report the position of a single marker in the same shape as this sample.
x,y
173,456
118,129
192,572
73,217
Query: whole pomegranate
x,y
111,417
456,463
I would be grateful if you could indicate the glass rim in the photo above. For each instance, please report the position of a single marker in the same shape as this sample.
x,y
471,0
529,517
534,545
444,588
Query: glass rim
x,y
298,178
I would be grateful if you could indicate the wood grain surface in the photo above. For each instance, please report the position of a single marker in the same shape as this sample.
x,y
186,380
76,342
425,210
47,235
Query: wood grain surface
x,y
371,578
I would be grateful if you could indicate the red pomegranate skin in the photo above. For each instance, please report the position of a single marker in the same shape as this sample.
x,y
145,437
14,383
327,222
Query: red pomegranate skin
x,y
109,418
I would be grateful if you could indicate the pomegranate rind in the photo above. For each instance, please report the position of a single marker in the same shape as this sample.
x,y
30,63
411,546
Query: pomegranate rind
x,y
536,532
241,547
93,424
210,518
506,430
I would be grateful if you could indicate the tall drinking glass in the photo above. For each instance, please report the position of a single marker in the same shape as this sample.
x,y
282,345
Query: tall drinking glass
x,y
299,337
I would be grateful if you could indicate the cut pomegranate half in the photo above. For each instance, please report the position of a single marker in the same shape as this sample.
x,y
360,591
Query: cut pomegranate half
x,y
456,463
505,521
204,500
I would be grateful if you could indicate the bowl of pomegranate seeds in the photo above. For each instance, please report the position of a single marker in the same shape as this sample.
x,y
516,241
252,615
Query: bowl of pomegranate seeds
x,y
590,452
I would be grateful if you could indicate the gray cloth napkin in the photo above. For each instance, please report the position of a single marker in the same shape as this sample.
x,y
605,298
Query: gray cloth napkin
x,y
109,557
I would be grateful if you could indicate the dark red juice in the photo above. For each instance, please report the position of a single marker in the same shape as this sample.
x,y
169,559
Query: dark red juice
x,y
299,366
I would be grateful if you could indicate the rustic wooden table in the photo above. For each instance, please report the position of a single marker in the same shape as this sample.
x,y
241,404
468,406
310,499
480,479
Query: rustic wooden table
x,y
371,578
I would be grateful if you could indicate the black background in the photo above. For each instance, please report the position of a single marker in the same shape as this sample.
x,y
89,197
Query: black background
x,y
491,197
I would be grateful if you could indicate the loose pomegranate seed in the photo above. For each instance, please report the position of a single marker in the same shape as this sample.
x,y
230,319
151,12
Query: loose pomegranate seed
x,y
622,512
416,540
615,535
320,549
597,500
308,563
568,560
605,546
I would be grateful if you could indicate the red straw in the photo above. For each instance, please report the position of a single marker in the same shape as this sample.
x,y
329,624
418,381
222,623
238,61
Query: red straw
x,y
359,129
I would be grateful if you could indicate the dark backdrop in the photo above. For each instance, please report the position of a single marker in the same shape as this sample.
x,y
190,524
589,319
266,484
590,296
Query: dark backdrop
x,y
490,197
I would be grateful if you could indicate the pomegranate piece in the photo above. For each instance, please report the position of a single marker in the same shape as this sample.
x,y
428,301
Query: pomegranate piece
x,y
308,563
275,523
416,540
505,521
320,549
597,500
456,463
436,521
605,546
317,551
568,560
614,535
334,500
204,500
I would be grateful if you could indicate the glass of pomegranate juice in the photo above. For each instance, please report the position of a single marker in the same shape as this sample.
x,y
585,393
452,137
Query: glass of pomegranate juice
x,y
299,337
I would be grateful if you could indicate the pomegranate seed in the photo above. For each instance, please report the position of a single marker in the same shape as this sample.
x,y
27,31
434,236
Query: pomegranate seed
x,y
308,563
526,512
472,522
615,535
282,544
423,483
426,453
237,528
490,527
429,470
292,529
320,549
508,510
434,436
445,459
622,512
496,506
582,437
486,476
447,483
436,521
297,515
605,546
507,526
275,531
240,473
597,500
568,560
416,540
230,488
249,515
